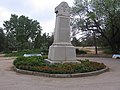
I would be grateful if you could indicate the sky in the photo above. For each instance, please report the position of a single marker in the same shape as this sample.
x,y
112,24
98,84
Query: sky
x,y
40,10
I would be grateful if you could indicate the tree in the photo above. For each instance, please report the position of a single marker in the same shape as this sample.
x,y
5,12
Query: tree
x,y
2,39
21,31
101,17
38,41
75,42
43,42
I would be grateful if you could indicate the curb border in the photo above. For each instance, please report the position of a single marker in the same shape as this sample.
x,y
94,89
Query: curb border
x,y
61,75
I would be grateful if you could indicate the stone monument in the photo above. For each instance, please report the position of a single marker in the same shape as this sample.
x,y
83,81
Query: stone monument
x,y
61,50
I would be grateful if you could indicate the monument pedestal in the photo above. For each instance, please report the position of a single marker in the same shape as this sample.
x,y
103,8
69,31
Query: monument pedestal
x,y
62,51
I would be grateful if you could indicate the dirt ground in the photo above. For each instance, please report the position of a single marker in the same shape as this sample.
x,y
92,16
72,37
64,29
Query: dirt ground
x,y
10,80
90,50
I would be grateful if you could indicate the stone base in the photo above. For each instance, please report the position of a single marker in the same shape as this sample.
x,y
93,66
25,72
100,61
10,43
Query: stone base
x,y
60,53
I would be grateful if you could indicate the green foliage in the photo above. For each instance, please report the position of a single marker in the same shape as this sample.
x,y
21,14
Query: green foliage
x,y
21,32
30,61
22,52
101,17
43,42
80,51
91,66
75,42
2,40
107,51
37,64
87,41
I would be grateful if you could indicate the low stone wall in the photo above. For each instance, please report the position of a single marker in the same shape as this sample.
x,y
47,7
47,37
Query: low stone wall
x,y
61,75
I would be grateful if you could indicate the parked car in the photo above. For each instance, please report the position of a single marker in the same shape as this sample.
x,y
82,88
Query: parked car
x,y
116,56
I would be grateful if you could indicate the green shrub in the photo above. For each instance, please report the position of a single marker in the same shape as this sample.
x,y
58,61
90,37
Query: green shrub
x,y
107,51
45,56
37,64
29,61
6,52
22,52
80,51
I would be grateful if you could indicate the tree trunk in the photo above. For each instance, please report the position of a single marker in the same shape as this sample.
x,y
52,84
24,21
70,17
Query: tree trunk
x,y
95,43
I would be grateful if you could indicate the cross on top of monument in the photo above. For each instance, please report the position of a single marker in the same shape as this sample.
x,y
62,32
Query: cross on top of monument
x,y
62,9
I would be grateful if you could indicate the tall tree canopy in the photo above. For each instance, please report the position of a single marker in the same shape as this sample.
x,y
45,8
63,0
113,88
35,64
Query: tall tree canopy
x,y
20,31
101,17
2,39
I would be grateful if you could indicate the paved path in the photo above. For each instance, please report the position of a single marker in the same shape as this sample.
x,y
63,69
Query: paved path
x,y
10,80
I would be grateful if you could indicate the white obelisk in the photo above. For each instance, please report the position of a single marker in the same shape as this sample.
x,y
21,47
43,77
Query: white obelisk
x,y
61,50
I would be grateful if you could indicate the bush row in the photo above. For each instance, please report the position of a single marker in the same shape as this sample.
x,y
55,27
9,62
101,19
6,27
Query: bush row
x,y
34,51
80,51
22,52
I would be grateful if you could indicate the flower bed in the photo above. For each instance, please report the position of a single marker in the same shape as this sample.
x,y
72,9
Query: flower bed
x,y
37,64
